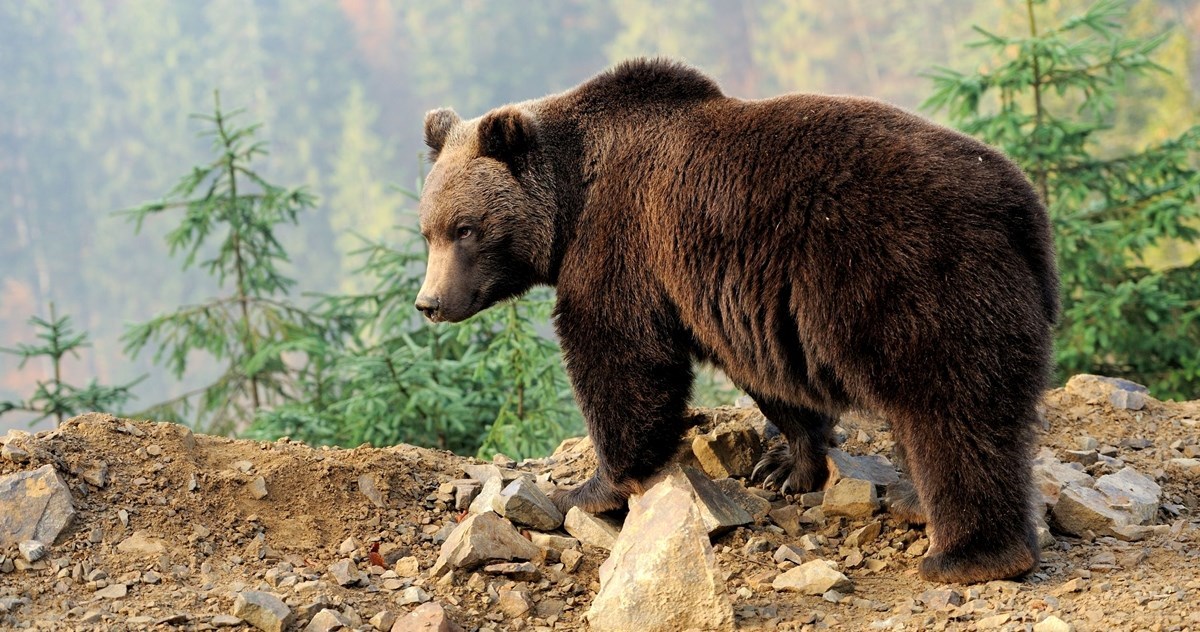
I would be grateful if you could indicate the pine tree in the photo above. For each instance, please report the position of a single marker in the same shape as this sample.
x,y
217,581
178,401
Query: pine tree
x,y
55,397
1047,98
230,218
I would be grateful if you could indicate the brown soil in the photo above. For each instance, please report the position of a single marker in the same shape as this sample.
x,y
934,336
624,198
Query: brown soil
x,y
191,491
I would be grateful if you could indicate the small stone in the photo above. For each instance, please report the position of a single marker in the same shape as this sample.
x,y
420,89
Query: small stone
x,y
10,452
1080,509
142,543
1051,476
943,599
788,519
151,577
430,617
485,500
257,488
407,567
112,591
552,542
570,559
519,571
524,504
368,487
32,550
873,467
729,450
262,610
762,579
1185,469
411,595
812,499
756,545
34,505
813,578
992,622
1053,624
242,466
349,545
1135,492
345,573
1082,457
465,491
95,474
383,620
854,498
590,529
481,539
514,603
864,535
154,449
917,549
1087,443
327,621
662,574
224,621
790,553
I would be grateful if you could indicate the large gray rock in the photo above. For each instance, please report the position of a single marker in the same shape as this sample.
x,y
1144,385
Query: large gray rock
x,y
34,505
662,574
1132,491
717,511
729,450
262,610
813,578
480,539
524,504
872,467
590,529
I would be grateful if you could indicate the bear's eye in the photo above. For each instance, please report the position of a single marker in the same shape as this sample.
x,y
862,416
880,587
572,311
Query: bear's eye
x,y
463,232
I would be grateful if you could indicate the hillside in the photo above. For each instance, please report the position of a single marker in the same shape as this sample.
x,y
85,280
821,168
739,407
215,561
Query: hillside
x,y
176,530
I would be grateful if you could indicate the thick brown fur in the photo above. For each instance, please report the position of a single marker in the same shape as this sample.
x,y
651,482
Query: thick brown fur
x,y
825,252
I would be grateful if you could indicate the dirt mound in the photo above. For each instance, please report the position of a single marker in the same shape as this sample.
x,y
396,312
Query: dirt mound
x,y
170,527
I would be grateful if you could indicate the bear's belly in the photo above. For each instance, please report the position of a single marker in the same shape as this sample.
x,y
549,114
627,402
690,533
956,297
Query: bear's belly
x,y
781,370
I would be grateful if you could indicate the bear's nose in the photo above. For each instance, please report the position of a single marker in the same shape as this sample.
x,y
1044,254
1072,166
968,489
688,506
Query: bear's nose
x,y
428,305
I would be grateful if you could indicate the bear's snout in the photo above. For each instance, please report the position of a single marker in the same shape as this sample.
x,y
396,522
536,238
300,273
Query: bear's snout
x,y
429,306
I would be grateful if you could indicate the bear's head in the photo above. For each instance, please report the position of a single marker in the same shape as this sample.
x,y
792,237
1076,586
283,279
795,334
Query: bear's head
x,y
487,212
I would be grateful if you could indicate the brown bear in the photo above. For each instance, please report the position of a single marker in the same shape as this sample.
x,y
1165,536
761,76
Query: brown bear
x,y
825,252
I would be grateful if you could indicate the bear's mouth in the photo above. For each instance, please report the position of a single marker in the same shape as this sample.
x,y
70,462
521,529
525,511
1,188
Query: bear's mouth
x,y
474,306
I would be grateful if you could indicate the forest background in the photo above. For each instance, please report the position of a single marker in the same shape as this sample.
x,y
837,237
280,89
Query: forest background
x,y
96,98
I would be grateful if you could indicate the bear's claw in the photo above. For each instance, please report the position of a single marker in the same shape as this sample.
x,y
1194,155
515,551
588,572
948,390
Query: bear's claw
x,y
781,466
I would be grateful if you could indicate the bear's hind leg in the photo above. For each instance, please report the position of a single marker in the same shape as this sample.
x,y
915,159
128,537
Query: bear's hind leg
x,y
972,476
798,465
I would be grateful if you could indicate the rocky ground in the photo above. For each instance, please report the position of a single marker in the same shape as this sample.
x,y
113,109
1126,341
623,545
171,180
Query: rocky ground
x,y
112,524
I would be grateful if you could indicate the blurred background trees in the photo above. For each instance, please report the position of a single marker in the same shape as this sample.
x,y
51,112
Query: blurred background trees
x,y
94,116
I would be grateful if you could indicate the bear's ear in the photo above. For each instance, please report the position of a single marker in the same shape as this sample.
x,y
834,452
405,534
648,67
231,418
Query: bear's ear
x,y
506,134
437,126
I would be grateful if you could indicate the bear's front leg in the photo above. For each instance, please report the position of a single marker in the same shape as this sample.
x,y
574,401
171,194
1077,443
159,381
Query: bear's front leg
x,y
632,380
